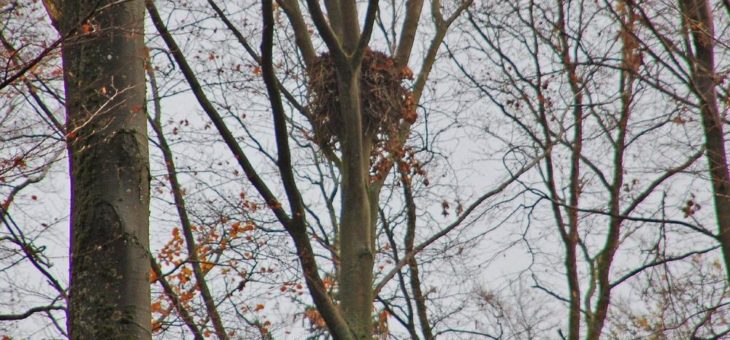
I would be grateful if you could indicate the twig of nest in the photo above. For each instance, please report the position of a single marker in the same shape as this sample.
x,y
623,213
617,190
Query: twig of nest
x,y
385,100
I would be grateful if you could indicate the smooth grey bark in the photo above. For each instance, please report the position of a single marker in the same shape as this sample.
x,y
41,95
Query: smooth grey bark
x,y
103,60
357,252
356,236
698,13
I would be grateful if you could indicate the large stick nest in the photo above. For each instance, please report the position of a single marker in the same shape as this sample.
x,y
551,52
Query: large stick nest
x,y
385,100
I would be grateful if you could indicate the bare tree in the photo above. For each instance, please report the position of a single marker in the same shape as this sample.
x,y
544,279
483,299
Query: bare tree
x,y
362,151
31,147
326,183
574,90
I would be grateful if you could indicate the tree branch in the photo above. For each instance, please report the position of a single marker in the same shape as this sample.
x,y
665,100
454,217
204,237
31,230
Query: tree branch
x,y
29,312
216,118
467,212
192,248
324,29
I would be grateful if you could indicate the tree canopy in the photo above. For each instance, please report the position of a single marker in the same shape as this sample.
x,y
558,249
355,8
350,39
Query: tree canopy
x,y
364,169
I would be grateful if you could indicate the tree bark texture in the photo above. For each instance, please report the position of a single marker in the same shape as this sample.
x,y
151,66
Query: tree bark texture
x,y
103,61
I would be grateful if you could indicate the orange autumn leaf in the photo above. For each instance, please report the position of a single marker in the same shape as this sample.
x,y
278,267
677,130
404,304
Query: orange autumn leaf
x,y
328,282
156,307
382,326
406,73
315,319
186,296
259,307
87,28
185,274
156,326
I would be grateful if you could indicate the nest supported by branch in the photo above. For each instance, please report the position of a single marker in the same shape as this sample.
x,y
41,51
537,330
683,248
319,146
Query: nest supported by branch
x,y
385,100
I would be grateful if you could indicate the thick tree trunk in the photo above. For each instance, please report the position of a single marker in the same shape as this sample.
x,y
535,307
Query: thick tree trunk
x,y
704,80
103,61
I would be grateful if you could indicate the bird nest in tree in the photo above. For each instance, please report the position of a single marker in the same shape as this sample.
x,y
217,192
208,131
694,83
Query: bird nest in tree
x,y
385,100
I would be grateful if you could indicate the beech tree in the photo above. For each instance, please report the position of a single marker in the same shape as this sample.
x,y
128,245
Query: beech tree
x,y
578,77
351,145
353,170
106,128
698,17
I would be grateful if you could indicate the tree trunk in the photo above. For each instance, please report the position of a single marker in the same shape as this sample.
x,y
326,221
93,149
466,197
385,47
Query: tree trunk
x,y
704,80
357,254
103,60
357,234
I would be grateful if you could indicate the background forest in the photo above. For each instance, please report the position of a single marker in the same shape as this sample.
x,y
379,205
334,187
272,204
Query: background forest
x,y
289,169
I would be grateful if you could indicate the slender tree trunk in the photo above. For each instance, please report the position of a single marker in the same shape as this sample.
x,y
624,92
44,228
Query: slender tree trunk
x,y
704,80
356,254
415,281
571,236
356,227
107,133
596,319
